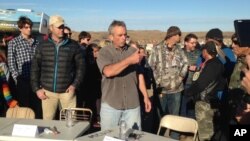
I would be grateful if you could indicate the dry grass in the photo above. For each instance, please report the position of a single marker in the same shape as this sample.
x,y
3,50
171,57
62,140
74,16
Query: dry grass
x,y
146,36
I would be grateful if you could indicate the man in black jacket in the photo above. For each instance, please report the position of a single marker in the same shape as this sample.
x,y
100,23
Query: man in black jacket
x,y
57,69
204,90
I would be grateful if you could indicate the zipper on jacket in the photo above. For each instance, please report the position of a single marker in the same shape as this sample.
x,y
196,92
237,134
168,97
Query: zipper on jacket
x,y
56,63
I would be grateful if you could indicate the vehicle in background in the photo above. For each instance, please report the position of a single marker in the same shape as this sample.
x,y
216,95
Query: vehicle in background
x,y
9,18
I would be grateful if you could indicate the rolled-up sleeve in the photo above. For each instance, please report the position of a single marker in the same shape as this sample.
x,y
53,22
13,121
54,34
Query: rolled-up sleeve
x,y
104,58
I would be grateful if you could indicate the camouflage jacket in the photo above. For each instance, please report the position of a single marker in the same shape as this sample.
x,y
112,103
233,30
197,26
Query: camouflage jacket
x,y
236,77
169,67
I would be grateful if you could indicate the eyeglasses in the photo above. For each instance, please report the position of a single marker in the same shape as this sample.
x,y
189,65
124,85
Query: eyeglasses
x,y
60,27
69,34
192,42
88,39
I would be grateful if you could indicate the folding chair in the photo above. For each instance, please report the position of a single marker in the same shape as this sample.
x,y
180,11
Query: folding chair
x,y
78,114
20,112
180,124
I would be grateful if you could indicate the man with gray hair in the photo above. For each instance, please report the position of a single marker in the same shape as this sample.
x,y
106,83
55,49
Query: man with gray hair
x,y
57,69
118,65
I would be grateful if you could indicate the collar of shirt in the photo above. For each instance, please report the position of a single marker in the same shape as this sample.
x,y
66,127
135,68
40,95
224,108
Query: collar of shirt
x,y
125,47
22,38
167,48
63,42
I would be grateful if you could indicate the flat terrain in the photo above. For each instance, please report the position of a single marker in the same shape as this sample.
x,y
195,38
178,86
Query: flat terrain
x,y
147,36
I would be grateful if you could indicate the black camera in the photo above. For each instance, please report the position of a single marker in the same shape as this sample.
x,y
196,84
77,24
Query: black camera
x,y
242,29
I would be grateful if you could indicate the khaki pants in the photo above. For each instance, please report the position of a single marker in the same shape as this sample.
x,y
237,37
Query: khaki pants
x,y
63,100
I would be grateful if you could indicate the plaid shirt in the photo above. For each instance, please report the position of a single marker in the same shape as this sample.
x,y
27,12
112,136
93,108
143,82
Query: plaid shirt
x,y
20,53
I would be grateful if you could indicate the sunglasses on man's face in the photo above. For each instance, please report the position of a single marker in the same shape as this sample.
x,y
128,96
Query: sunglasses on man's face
x,y
69,34
60,27
235,42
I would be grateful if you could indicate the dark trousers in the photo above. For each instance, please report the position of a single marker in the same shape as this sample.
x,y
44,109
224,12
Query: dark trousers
x,y
80,95
3,105
187,106
149,121
27,98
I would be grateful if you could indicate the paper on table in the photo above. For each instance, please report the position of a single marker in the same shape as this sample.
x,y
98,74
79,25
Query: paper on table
x,y
108,138
24,130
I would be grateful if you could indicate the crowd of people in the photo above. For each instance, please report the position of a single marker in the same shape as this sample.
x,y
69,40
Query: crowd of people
x,y
118,80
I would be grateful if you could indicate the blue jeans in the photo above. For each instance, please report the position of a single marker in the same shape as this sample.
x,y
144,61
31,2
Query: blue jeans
x,y
220,95
110,117
170,103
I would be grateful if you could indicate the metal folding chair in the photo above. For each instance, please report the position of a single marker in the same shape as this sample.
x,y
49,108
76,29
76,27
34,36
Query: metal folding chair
x,y
180,124
78,114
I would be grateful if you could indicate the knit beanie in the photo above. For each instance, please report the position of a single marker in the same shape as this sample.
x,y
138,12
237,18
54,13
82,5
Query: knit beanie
x,y
173,30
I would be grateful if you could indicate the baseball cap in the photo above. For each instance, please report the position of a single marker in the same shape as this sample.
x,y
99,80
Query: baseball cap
x,y
56,20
